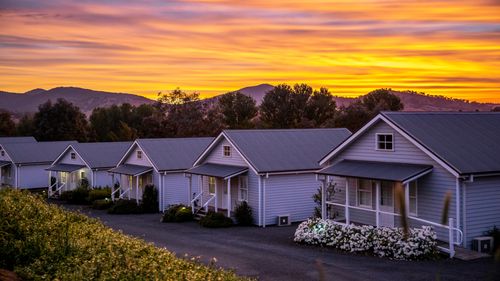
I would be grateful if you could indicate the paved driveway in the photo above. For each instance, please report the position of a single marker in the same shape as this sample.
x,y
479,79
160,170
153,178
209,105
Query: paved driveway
x,y
270,254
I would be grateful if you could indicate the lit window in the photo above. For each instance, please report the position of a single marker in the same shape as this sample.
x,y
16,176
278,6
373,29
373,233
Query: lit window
x,y
82,175
211,185
385,142
364,193
413,198
227,151
73,155
243,192
139,154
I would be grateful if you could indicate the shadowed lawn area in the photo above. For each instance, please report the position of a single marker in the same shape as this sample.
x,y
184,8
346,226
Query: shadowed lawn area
x,y
43,241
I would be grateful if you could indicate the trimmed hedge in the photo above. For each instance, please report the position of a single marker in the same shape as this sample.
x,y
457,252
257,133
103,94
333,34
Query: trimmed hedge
x,y
215,220
243,214
102,204
39,241
77,196
99,193
125,206
177,213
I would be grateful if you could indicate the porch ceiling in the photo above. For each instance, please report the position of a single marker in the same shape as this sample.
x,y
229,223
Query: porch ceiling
x,y
5,163
376,170
65,168
131,170
217,170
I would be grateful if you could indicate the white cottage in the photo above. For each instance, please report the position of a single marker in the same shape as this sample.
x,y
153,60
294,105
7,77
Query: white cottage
x,y
272,170
90,161
161,162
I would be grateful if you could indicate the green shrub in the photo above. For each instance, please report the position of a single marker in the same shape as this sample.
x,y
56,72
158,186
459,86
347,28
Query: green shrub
x,y
177,213
78,195
99,193
102,204
243,214
495,233
41,241
149,203
215,220
125,206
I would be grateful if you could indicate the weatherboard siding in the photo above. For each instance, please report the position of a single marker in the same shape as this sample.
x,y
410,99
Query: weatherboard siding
x,y
290,195
132,158
175,189
482,206
432,188
66,158
216,155
102,179
33,176
253,195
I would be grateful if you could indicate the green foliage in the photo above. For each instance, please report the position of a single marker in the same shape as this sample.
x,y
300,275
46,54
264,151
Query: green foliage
x,y
25,126
60,121
7,125
243,214
177,213
149,203
237,110
495,233
99,193
215,220
125,206
102,204
44,242
78,196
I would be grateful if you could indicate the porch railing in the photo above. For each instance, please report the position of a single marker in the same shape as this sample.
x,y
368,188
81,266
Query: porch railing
x,y
194,200
113,193
212,197
455,234
58,189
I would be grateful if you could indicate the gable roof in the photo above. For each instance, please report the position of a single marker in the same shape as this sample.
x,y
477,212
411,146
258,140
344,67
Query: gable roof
x,y
466,141
101,154
285,150
173,154
16,140
35,152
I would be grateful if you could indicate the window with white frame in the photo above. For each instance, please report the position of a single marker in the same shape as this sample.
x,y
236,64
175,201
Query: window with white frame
x,y
364,193
413,198
73,155
211,185
385,142
226,151
243,190
139,154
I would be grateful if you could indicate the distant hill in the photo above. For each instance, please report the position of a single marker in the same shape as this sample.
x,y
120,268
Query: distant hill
x,y
85,99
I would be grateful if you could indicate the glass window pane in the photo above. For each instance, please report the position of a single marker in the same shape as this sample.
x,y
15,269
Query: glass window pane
x,y
413,205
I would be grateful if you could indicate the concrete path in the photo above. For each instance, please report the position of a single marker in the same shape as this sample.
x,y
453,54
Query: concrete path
x,y
270,254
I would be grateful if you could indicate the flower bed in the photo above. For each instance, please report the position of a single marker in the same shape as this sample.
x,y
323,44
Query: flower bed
x,y
383,241
39,241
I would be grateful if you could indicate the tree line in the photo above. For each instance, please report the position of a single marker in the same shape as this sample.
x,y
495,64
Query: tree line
x,y
182,114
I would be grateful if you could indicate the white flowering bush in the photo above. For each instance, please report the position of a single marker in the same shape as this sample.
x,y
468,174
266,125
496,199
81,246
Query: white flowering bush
x,y
387,242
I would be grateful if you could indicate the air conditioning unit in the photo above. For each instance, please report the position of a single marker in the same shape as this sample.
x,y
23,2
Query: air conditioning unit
x,y
482,244
284,220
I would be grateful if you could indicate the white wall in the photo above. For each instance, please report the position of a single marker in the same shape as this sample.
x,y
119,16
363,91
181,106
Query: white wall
x,y
33,176
216,155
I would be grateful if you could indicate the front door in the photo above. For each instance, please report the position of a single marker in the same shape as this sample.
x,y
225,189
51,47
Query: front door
x,y
224,195
387,203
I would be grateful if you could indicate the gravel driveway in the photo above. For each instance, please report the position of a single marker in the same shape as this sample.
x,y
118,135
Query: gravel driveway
x,y
270,254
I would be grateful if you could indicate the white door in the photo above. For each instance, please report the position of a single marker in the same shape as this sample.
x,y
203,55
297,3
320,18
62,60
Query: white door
x,y
387,203
223,194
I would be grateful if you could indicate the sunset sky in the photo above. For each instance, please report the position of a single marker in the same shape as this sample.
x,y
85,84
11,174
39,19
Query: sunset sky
x,y
449,48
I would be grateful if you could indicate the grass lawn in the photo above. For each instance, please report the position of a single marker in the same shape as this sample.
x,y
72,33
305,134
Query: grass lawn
x,y
42,241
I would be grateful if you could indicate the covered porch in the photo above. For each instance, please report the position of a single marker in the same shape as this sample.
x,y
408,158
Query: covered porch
x,y
130,181
6,173
381,194
221,187
65,177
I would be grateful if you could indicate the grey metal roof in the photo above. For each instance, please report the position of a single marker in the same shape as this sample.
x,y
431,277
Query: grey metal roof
x,y
173,154
217,170
65,167
101,154
131,170
467,141
36,152
286,150
375,170
16,139
5,163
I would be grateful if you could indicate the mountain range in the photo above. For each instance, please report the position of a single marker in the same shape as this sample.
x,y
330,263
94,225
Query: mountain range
x,y
87,100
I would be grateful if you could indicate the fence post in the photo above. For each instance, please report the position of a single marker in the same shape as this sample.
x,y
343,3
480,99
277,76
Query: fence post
x,y
450,237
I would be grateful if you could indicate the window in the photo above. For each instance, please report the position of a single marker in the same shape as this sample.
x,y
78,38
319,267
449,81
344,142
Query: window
x,y
139,154
82,174
243,191
364,193
73,155
226,150
386,193
211,185
413,198
385,142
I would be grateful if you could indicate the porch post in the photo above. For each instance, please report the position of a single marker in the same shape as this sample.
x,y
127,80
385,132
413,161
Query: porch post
x,y
112,187
49,190
190,191
58,175
407,199
377,203
450,237
229,197
137,189
200,187
216,197
130,184
347,219
323,199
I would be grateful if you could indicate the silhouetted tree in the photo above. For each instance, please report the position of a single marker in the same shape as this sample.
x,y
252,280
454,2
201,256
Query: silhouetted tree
x,y
320,109
7,125
237,110
60,121
25,126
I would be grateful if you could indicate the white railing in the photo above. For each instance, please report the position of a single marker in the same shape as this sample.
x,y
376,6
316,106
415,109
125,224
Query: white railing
x,y
50,192
113,193
212,197
455,235
123,193
58,190
194,200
